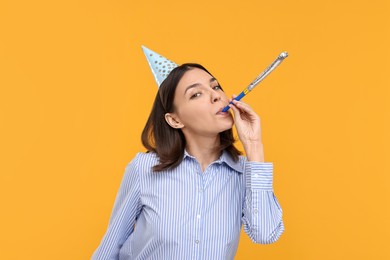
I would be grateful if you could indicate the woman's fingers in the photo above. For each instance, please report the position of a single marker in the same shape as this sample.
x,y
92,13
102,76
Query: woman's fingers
x,y
242,105
244,112
242,109
235,109
247,122
231,99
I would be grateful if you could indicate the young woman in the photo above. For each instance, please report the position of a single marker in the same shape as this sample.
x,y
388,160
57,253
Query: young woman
x,y
190,194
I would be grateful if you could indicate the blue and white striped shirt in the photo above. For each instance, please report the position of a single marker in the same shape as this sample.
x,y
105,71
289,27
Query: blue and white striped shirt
x,y
186,214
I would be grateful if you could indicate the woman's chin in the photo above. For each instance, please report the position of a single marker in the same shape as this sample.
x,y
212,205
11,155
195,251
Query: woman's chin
x,y
226,126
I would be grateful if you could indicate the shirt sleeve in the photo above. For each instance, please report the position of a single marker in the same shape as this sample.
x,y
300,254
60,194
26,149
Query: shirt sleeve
x,y
126,208
262,214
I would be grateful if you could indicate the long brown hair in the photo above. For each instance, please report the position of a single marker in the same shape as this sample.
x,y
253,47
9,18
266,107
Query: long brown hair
x,y
167,142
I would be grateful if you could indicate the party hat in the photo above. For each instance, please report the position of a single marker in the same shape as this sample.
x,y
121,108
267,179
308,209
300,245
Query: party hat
x,y
159,65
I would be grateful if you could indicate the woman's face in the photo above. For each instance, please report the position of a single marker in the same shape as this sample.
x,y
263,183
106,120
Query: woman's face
x,y
198,103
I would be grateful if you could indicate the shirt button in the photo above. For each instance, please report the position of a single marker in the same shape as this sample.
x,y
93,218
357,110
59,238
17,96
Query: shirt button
x,y
197,241
198,216
255,211
200,190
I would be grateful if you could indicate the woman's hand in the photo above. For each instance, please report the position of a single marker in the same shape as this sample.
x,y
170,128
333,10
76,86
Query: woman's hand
x,y
248,129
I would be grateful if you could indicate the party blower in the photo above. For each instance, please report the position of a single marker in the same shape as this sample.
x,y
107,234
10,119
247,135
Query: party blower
x,y
262,76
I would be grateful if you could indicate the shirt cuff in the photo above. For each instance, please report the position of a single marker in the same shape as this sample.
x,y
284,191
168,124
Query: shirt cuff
x,y
259,175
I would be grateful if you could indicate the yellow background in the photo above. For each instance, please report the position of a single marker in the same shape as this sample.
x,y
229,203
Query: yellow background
x,y
76,92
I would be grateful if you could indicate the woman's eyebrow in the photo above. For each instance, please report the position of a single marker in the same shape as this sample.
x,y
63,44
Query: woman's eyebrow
x,y
197,85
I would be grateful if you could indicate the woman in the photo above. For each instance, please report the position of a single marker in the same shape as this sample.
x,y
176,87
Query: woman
x,y
188,196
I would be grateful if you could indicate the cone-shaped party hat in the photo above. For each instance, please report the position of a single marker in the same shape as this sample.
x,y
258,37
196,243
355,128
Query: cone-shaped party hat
x,y
159,65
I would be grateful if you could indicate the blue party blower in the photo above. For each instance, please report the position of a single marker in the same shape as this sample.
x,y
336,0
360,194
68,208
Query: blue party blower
x,y
264,74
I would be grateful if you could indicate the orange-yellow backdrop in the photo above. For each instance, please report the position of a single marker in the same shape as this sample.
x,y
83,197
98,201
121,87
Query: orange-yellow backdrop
x,y
76,91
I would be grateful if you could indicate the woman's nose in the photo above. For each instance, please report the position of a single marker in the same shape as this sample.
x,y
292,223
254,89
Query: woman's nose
x,y
215,96
216,99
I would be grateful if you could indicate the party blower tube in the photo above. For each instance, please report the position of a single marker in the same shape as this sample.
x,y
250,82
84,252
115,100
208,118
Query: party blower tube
x,y
264,74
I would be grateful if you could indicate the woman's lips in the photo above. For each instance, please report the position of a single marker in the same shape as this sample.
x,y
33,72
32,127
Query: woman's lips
x,y
222,113
219,112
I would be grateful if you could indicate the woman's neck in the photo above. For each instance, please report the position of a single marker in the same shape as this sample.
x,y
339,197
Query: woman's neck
x,y
204,149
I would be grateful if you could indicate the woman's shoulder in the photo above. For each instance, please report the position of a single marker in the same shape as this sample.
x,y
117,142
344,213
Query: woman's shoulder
x,y
143,160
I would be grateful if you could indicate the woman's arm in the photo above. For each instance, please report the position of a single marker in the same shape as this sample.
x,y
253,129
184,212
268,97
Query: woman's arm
x,y
125,211
262,214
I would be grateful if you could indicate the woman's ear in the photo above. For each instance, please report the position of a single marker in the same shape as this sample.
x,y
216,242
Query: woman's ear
x,y
173,121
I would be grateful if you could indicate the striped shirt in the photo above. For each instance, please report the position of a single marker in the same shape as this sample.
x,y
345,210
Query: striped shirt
x,y
185,213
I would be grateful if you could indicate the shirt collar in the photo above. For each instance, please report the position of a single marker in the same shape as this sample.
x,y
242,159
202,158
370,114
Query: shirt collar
x,y
224,158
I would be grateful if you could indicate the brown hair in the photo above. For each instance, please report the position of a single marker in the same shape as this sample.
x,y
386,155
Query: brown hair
x,y
167,142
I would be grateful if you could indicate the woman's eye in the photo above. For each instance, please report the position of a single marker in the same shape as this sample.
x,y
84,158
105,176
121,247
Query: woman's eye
x,y
217,87
195,95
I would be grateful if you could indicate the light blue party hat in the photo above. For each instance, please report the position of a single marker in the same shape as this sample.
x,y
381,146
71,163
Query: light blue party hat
x,y
159,65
